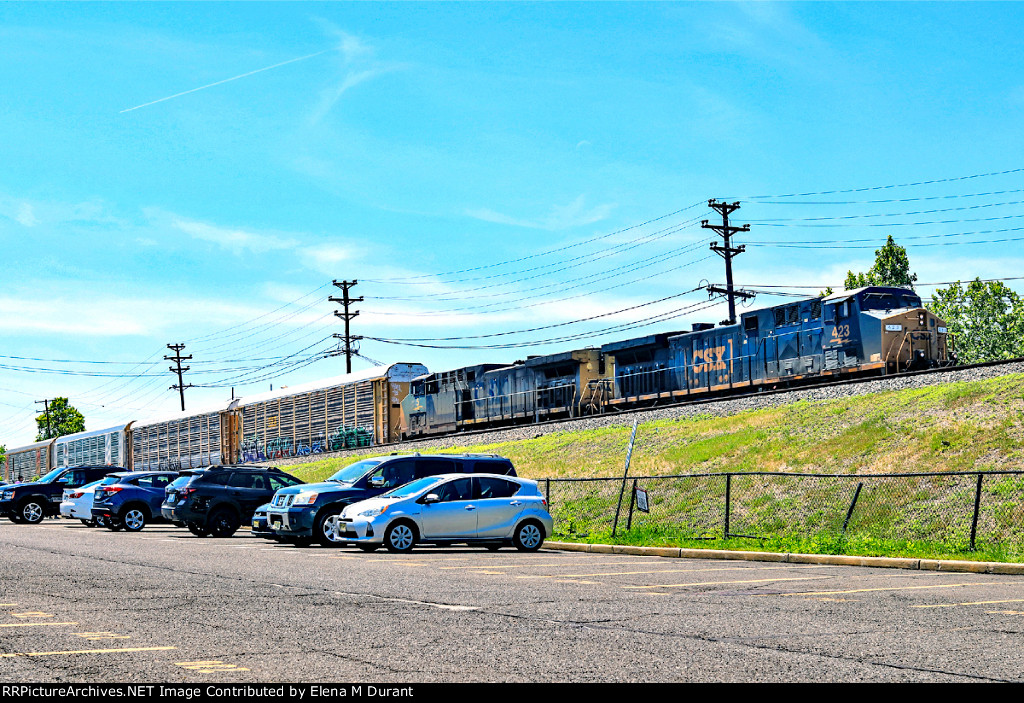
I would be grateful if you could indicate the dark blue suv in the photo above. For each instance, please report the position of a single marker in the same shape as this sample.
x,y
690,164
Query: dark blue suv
x,y
302,514
131,499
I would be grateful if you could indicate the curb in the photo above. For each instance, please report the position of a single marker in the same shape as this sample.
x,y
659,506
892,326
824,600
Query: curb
x,y
978,567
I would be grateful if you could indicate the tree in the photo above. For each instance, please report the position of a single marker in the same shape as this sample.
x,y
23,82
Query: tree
x,y
985,319
63,419
892,268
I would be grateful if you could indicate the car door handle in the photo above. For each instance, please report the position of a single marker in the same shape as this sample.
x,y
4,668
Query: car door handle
x,y
470,507
516,502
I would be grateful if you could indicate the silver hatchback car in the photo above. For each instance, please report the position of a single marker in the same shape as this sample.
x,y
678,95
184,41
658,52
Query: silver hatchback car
x,y
485,509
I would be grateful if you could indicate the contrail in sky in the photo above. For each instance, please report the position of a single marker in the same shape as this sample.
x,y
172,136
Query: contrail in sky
x,y
226,80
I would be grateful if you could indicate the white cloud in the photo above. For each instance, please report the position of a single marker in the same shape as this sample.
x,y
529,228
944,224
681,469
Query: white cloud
x,y
574,214
358,65
237,240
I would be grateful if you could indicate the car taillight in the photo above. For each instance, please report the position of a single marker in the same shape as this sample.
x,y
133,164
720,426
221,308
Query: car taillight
x,y
111,490
75,496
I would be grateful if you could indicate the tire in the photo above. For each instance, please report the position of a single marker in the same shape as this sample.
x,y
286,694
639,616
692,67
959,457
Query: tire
x,y
31,511
16,519
89,523
529,536
133,518
100,521
400,537
369,547
223,523
196,529
113,524
324,530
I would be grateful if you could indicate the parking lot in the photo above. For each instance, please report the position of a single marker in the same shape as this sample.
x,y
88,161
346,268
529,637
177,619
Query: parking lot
x,y
89,605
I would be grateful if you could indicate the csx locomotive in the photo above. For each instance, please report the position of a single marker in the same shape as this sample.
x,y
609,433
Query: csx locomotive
x,y
869,330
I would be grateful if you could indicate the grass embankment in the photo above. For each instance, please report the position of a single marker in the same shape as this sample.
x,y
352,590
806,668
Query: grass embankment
x,y
973,426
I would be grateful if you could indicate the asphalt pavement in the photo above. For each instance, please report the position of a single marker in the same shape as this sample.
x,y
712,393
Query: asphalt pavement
x,y
87,605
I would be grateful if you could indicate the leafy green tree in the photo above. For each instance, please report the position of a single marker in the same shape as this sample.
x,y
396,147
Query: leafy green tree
x,y
63,419
891,268
985,319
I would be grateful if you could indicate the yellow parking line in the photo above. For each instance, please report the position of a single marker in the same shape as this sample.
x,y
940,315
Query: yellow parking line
x,y
977,602
36,624
32,614
722,583
86,651
657,571
531,564
893,588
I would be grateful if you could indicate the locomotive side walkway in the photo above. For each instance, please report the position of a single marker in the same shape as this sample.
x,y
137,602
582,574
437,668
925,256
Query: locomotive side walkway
x,y
979,567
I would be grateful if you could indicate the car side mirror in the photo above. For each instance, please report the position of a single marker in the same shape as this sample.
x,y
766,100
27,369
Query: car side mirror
x,y
431,498
377,482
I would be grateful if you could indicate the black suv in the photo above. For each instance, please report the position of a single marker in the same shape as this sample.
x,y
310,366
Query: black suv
x,y
32,501
310,512
215,500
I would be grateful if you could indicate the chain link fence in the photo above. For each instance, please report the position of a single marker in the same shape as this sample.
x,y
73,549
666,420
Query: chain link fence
x,y
955,508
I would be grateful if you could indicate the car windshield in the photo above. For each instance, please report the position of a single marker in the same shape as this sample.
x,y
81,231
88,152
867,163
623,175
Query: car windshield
x,y
50,477
412,488
889,301
353,472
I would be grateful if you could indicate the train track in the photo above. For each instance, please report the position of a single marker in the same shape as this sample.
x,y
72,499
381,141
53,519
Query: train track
x,y
722,404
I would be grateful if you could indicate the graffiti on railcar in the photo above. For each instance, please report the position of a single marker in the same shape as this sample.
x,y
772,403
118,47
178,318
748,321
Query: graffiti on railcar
x,y
258,448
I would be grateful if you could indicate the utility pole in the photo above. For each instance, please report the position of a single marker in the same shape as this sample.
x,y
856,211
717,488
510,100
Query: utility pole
x,y
177,359
725,230
347,316
46,408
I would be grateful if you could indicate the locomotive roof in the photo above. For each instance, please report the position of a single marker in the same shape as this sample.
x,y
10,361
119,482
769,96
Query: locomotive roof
x,y
872,289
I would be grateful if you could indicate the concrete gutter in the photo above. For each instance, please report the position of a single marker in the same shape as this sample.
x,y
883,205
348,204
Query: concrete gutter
x,y
979,567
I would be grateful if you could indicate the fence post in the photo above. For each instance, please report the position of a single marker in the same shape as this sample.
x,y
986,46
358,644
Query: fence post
x,y
977,507
853,502
728,492
547,491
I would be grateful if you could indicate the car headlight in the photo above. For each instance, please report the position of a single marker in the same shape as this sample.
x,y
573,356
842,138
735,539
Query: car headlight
x,y
373,512
305,499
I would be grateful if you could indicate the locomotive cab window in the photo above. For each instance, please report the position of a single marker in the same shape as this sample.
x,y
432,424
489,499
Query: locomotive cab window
x,y
750,325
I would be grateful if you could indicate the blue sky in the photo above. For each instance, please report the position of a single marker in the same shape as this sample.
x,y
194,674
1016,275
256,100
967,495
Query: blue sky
x,y
157,185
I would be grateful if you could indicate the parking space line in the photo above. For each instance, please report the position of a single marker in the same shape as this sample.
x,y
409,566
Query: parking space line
x,y
656,571
210,666
37,624
86,651
32,614
101,636
977,602
890,588
537,563
726,583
